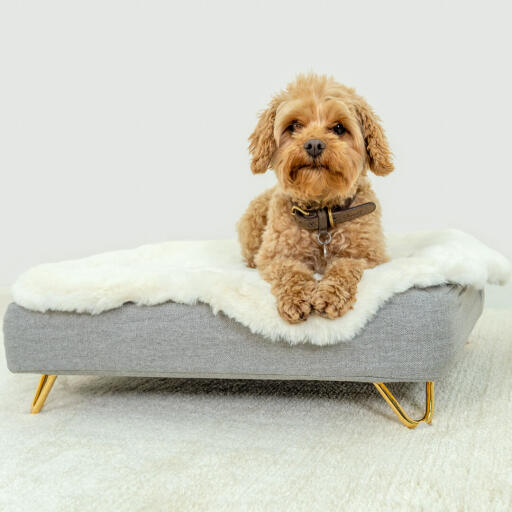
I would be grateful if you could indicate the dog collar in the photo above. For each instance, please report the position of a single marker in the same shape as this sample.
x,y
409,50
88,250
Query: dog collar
x,y
321,219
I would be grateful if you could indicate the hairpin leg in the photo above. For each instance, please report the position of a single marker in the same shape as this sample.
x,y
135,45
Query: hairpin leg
x,y
42,391
397,409
46,383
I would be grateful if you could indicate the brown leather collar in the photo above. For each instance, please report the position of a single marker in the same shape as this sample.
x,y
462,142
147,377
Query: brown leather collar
x,y
321,219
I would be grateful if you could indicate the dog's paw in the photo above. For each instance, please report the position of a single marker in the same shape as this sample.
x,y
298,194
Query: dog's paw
x,y
295,307
333,299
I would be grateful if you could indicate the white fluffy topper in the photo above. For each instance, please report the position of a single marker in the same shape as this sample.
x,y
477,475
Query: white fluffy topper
x,y
213,272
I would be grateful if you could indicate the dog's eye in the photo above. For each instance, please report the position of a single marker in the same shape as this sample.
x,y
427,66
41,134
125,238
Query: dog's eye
x,y
293,126
339,129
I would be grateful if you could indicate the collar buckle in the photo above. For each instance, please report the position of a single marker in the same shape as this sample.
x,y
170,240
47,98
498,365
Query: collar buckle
x,y
304,212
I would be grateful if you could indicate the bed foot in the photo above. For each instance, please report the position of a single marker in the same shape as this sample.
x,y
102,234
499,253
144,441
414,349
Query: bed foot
x,y
397,409
42,392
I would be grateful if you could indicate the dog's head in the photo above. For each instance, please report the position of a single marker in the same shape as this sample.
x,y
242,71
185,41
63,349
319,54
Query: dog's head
x,y
319,136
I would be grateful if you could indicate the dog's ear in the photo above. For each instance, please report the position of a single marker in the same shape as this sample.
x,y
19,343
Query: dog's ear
x,y
262,144
377,148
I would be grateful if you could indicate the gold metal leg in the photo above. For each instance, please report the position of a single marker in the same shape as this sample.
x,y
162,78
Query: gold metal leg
x,y
43,390
397,409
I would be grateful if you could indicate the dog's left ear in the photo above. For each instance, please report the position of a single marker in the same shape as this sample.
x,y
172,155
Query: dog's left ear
x,y
377,148
262,144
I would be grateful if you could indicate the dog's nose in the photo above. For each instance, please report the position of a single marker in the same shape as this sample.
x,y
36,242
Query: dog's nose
x,y
314,146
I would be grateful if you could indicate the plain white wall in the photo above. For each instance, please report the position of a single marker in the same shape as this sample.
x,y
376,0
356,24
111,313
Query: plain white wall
x,y
123,123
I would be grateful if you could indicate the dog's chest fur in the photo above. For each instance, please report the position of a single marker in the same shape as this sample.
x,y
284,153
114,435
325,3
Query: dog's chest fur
x,y
283,237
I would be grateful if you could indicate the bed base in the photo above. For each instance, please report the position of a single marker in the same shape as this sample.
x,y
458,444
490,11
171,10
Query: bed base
x,y
46,383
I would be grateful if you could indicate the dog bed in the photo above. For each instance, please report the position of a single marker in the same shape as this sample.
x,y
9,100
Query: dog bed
x,y
415,336
191,309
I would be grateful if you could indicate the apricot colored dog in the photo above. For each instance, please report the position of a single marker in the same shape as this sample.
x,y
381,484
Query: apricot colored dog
x,y
320,138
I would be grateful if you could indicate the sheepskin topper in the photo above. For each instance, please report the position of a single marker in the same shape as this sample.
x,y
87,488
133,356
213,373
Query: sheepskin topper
x,y
213,272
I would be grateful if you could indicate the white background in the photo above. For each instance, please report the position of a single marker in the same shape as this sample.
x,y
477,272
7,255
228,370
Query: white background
x,y
123,123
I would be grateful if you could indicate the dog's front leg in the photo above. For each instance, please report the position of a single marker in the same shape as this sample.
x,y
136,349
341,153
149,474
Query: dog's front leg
x,y
293,285
336,292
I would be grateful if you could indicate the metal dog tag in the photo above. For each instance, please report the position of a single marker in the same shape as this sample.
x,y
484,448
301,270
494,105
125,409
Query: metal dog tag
x,y
324,239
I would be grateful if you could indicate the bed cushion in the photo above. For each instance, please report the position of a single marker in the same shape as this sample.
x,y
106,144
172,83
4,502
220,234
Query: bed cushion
x,y
415,336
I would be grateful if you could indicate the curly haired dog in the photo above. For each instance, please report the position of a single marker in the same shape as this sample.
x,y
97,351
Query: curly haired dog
x,y
320,138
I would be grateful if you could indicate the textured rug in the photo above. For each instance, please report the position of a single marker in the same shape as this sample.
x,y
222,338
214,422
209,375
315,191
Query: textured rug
x,y
213,272
205,445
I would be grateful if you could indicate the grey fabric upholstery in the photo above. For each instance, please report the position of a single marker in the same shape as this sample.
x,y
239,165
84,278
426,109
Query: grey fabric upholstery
x,y
414,337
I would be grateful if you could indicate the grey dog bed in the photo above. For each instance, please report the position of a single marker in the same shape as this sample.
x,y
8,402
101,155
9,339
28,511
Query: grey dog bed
x,y
415,336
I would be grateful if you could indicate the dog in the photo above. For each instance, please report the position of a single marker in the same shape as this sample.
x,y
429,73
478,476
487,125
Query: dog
x,y
322,217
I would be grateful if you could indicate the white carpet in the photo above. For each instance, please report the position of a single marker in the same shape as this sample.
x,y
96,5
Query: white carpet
x,y
116,444
213,272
